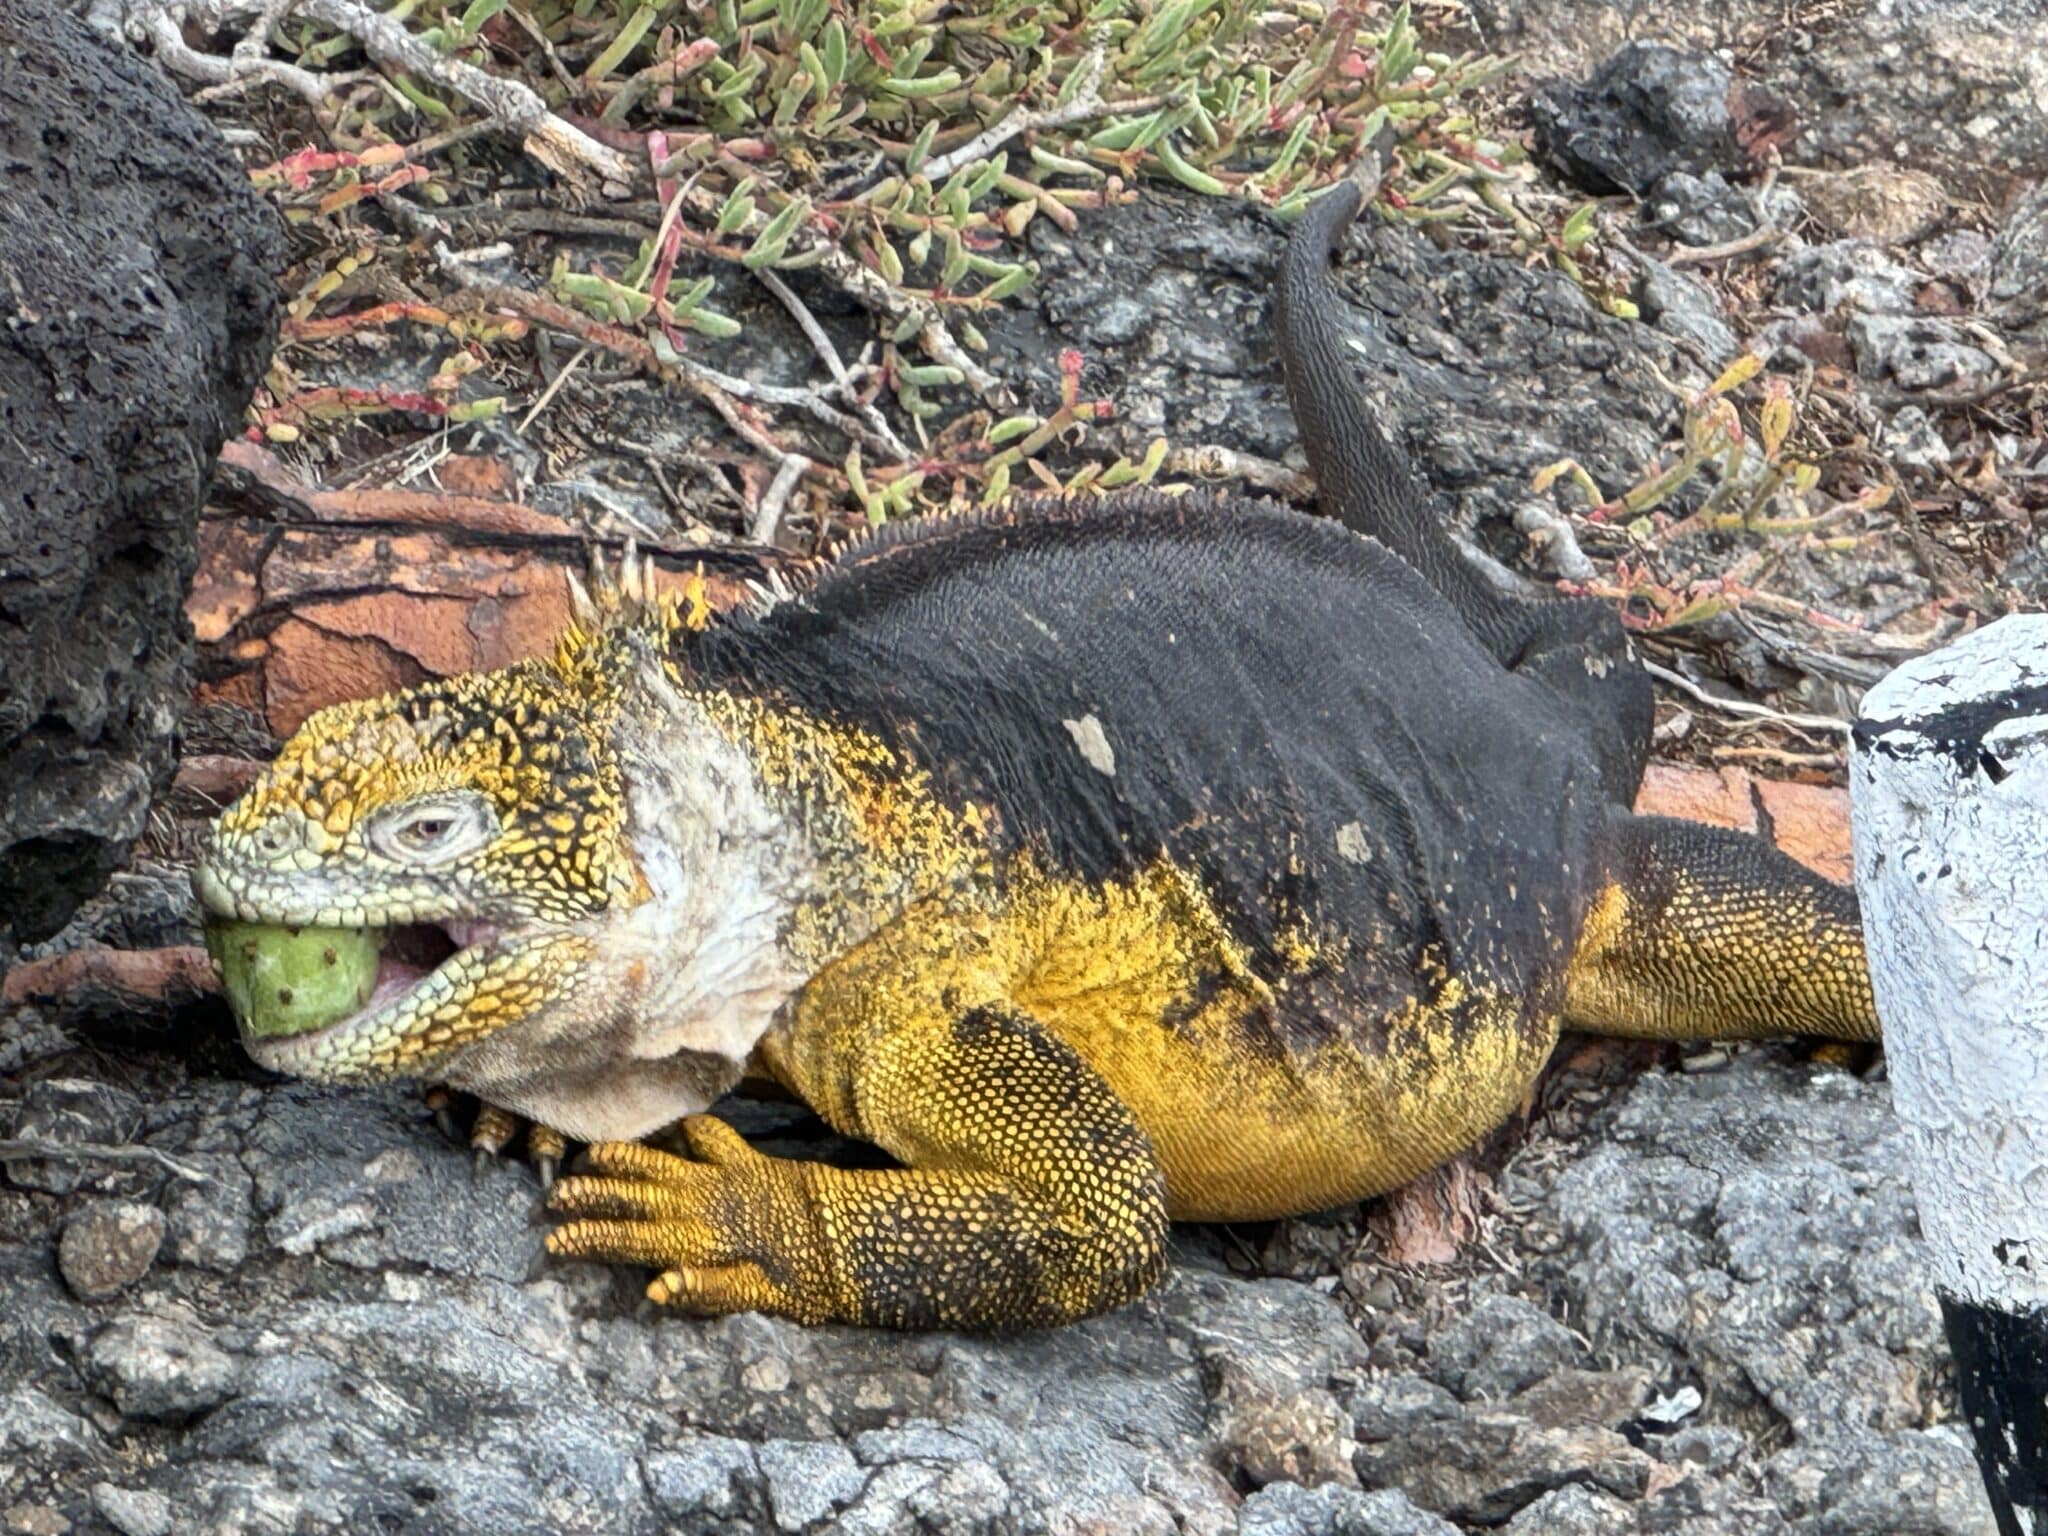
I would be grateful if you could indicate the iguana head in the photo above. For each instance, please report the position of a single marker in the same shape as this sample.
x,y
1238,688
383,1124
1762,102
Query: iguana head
x,y
477,819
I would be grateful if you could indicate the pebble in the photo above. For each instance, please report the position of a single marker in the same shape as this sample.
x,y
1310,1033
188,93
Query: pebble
x,y
109,1246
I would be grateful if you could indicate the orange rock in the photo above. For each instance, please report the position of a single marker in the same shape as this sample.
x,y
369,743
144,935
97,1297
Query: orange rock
x,y
1808,821
477,474
314,596
116,978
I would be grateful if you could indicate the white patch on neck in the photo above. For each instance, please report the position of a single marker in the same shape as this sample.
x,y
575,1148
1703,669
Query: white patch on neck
x,y
681,987
727,868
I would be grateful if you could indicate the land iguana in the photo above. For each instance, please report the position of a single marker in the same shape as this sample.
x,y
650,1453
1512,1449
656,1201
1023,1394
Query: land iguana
x,y
1106,863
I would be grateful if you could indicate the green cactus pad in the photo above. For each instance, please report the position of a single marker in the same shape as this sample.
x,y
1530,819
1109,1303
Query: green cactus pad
x,y
288,981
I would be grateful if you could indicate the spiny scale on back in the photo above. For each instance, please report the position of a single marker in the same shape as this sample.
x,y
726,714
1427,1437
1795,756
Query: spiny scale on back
x,y
1100,861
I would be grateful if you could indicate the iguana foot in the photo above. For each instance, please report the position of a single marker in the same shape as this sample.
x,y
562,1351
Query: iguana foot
x,y
493,1131
730,1231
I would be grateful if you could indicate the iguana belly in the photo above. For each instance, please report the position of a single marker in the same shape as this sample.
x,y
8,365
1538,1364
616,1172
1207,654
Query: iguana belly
x,y
1257,1113
1261,1098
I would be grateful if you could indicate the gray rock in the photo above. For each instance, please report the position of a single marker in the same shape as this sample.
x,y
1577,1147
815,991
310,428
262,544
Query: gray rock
x,y
1911,438
35,1429
207,1223
1287,1509
1712,1446
109,1246
808,1480
1945,86
1957,253
1574,1511
1917,352
1486,1464
160,1368
1912,1484
1647,112
1686,309
1500,1345
1855,274
1748,1228
1389,1407
2019,261
714,1476
139,313
72,1111
1698,210
133,1511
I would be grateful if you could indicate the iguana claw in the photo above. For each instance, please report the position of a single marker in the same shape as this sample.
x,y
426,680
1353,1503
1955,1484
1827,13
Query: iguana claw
x,y
493,1131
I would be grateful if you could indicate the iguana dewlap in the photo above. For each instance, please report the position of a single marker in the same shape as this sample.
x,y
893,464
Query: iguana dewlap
x,y
1104,863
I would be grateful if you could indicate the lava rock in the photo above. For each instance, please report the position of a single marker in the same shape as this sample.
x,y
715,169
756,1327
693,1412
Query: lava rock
x,y
1649,111
1912,1484
1574,1511
1947,86
2019,261
1918,352
1698,210
1287,1509
160,1369
808,1480
1910,438
1687,310
133,1511
1500,1345
109,1246
138,315
1823,278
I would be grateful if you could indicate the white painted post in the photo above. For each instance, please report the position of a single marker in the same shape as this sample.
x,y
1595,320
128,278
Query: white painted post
x,y
1948,790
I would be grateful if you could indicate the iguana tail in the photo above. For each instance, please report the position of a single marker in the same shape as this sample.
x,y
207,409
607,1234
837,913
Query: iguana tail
x,y
1364,481
1696,932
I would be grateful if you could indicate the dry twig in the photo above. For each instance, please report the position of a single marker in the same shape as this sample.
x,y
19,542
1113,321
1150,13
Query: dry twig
x,y
511,105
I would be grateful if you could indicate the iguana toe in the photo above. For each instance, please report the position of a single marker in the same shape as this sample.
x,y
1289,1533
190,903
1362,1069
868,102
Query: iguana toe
x,y
719,1227
546,1147
492,1131
438,1099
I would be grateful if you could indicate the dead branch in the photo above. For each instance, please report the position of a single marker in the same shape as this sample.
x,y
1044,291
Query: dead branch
x,y
842,380
1212,461
510,105
768,515
1743,707
21,1149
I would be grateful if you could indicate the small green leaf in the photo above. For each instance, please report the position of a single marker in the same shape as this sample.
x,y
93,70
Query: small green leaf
x,y
774,237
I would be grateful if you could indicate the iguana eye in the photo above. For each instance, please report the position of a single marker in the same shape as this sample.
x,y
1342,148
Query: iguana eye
x,y
433,832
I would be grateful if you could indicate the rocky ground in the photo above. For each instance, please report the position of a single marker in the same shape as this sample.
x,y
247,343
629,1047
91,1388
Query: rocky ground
x,y
1692,1297
1698,1305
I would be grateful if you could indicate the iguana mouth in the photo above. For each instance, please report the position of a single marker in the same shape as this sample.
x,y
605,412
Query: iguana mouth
x,y
412,953
442,982
421,971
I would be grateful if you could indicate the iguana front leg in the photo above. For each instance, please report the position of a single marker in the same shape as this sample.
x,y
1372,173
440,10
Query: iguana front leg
x,y
1031,1197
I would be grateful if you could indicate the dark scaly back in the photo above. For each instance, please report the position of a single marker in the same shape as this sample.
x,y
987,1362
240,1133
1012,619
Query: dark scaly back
x,y
1291,715
1576,647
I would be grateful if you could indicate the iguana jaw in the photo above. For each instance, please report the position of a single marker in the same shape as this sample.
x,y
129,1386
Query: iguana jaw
x,y
427,1005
